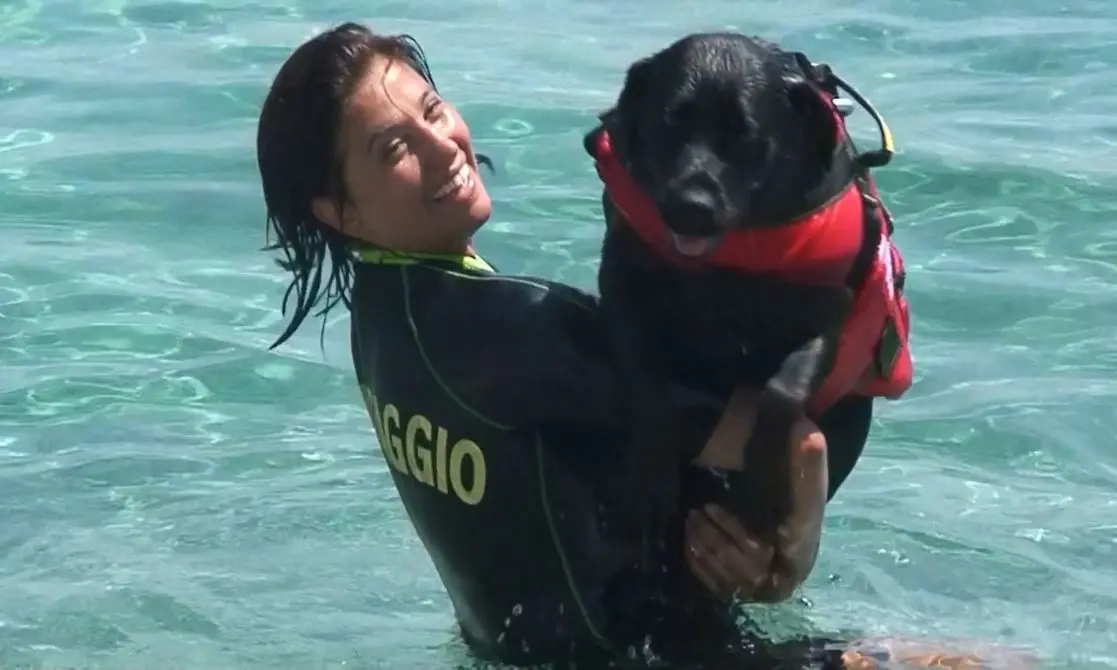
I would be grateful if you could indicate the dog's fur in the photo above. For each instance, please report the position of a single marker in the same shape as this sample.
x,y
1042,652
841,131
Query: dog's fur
x,y
722,131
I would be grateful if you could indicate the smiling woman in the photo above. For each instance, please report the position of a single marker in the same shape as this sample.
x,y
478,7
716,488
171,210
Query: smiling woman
x,y
361,160
355,146
407,166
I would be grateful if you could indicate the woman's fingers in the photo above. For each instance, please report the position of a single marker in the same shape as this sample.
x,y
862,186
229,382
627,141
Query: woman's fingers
x,y
736,532
731,563
699,569
705,551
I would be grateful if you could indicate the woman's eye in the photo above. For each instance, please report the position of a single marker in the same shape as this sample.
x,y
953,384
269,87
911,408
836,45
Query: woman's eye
x,y
394,149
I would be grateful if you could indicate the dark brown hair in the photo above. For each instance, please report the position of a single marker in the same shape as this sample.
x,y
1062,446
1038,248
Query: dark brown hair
x,y
296,150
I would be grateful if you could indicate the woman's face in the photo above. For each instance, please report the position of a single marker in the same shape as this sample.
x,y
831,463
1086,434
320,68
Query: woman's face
x,y
410,174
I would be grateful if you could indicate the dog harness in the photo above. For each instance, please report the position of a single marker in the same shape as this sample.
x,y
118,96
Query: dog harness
x,y
827,246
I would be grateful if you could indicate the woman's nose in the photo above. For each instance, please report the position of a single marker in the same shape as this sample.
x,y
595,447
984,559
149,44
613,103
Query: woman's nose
x,y
438,146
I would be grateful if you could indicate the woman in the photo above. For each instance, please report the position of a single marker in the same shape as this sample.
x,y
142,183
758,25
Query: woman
x,y
491,395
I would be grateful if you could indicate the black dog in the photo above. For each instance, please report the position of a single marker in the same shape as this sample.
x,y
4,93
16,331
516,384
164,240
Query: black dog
x,y
721,132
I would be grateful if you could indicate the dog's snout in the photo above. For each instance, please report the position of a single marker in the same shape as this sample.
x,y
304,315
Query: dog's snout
x,y
691,212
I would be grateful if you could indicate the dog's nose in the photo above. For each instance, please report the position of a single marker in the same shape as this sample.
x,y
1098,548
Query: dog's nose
x,y
690,212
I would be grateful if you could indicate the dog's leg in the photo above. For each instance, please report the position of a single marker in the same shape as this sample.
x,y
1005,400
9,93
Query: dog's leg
x,y
647,495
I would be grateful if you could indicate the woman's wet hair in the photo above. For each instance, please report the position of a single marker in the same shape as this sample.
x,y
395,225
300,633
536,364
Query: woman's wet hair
x,y
297,150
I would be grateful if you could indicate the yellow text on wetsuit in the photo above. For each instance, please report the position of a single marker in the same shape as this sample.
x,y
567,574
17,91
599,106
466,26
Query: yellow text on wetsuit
x,y
415,446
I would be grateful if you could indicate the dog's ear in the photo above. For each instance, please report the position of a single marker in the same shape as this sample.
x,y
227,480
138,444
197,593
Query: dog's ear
x,y
817,116
635,86
624,130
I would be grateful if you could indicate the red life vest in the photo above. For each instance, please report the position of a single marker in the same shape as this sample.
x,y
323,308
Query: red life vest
x,y
873,357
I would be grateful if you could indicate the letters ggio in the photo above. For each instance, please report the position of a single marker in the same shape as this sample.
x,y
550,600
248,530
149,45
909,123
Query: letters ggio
x,y
407,447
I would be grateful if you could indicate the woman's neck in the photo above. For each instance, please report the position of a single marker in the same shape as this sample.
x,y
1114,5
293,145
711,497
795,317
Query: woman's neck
x,y
452,248
436,247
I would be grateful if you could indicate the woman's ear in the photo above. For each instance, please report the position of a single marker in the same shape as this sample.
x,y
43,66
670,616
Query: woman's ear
x,y
327,211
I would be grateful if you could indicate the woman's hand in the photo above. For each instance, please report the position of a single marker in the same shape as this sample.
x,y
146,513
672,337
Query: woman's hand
x,y
724,556
727,558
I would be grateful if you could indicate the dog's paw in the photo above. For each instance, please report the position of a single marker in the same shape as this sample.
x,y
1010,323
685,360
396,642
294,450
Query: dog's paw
x,y
793,381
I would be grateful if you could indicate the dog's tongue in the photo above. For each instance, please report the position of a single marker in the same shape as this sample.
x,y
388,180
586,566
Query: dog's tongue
x,y
691,246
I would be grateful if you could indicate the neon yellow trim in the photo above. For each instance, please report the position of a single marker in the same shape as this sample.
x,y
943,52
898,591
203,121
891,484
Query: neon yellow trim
x,y
552,526
387,257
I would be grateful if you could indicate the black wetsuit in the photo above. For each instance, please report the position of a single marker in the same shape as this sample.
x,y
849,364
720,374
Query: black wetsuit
x,y
499,418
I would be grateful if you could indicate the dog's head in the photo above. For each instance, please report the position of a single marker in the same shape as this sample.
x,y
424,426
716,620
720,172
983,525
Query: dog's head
x,y
722,131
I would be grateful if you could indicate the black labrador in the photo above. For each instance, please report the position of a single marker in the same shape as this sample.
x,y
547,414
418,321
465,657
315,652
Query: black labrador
x,y
721,131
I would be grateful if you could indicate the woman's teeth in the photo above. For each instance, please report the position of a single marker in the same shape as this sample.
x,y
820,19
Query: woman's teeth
x,y
462,177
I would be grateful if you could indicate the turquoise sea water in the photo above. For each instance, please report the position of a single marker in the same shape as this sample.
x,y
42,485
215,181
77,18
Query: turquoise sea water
x,y
172,495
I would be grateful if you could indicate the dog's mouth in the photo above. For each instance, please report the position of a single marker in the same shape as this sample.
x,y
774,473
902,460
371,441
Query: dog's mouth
x,y
693,246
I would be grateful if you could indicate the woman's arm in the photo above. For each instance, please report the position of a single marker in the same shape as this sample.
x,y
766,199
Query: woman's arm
x,y
720,551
